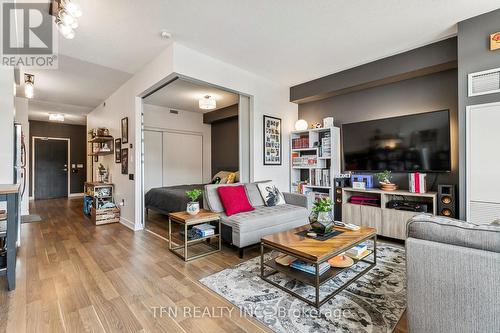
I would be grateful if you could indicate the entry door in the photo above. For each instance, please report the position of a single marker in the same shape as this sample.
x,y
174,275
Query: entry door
x,y
51,169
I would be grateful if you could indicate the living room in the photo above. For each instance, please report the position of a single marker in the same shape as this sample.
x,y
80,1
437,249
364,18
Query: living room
x,y
364,198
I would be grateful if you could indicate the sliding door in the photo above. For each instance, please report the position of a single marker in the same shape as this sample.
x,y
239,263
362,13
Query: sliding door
x,y
182,158
153,168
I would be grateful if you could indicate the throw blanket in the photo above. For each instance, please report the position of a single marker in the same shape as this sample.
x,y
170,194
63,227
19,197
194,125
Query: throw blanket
x,y
171,199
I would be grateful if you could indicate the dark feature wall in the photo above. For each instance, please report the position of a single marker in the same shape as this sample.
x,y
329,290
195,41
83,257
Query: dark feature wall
x,y
424,94
78,147
225,145
474,55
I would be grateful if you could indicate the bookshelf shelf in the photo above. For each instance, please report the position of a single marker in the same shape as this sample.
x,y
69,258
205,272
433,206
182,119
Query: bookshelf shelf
x,y
319,147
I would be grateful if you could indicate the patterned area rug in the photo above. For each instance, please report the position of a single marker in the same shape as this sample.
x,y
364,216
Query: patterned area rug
x,y
374,303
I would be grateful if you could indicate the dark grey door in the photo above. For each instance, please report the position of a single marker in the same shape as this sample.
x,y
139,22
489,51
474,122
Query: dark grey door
x,y
51,169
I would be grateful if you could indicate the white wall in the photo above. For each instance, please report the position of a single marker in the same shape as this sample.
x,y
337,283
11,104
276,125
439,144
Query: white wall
x,y
6,125
267,97
21,116
159,117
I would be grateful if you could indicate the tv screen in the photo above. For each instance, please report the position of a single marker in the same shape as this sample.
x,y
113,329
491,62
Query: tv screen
x,y
419,142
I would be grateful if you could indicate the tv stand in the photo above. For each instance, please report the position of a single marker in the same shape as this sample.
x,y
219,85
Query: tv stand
x,y
389,222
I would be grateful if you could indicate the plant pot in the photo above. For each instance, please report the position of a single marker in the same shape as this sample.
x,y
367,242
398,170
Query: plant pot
x,y
193,207
388,186
322,222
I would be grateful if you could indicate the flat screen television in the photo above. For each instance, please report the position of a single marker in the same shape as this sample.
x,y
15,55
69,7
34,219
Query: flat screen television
x,y
419,142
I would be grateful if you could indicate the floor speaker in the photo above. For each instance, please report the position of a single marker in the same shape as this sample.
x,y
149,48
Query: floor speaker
x,y
447,201
339,183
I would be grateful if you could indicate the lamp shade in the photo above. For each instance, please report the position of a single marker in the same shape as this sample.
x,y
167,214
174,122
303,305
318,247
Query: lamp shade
x,y
207,103
301,125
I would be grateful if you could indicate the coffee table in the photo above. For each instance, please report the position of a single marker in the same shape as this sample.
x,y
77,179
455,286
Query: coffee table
x,y
314,252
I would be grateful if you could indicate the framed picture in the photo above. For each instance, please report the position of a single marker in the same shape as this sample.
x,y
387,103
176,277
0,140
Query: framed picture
x,y
118,150
124,161
272,140
125,130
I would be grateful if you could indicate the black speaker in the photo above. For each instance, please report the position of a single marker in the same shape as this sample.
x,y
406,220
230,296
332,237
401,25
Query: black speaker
x,y
339,183
447,201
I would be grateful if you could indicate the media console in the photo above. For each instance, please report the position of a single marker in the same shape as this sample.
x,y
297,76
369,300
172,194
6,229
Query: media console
x,y
389,222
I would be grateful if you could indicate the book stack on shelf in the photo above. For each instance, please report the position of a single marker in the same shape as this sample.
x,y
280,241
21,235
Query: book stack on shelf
x,y
320,177
326,146
204,230
304,161
358,252
418,182
300,143
310,268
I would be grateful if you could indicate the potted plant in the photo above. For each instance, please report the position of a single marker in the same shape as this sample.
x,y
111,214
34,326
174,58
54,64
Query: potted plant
x,y
384,178
321,218
193,207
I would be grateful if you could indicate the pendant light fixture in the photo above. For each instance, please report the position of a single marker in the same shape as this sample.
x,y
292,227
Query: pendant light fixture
x,y
207,103
66,15
29,85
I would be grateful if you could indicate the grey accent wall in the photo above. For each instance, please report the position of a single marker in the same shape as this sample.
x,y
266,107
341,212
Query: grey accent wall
x,y
474,55
78,147
424,94
424,60
225,145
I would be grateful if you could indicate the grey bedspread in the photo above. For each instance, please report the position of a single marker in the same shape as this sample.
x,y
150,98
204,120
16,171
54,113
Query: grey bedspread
x,y
171,199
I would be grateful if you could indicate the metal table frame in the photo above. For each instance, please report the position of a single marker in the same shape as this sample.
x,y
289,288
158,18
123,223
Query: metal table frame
x,y
317,281
173,247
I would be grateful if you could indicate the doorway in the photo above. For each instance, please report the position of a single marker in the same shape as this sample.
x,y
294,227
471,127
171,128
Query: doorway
x,y
50,168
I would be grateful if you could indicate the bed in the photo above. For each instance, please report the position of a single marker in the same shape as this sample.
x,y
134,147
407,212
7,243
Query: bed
x,y
170,199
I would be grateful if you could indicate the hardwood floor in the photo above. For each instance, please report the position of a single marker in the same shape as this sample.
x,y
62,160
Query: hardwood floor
x,y
75,277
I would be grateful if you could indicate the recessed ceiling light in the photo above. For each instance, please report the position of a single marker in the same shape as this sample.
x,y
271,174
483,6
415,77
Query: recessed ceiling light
x,y
56,117
207,103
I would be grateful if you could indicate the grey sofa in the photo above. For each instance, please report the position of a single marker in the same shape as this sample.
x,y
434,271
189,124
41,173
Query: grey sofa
x,y
246,229
453,270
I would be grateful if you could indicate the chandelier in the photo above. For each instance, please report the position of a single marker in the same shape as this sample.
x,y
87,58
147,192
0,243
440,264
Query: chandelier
x,y
66,15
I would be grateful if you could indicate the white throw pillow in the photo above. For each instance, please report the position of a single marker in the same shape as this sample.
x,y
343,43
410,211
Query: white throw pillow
x,y
270,193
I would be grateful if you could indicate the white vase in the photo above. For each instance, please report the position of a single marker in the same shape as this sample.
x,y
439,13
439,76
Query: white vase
x,y
193,207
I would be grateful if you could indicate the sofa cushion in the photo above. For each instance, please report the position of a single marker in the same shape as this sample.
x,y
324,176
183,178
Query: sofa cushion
x,y
234,199
270,194
254,195
212,199
263,217
454,232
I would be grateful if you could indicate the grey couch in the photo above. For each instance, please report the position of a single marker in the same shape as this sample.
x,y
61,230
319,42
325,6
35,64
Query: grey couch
x,y
453,270
246,229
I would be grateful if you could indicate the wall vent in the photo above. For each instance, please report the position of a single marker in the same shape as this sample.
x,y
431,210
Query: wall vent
x,y
174,111
485,82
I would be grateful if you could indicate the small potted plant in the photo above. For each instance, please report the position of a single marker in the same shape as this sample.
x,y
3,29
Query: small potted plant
x,y
193,207
321,218
384,178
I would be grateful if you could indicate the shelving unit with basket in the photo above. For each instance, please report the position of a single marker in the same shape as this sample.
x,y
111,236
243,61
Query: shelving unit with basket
x,y
314,161
99,203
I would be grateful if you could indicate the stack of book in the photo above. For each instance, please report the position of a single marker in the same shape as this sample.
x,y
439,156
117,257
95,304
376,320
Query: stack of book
x,y
358,252
418,182
299,143
310,268
320,177
204,230
304,161
326,146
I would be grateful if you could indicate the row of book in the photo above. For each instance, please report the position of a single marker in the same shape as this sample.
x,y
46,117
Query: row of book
x,y
326,146
300,143
204,230
304,161
320,177
417,182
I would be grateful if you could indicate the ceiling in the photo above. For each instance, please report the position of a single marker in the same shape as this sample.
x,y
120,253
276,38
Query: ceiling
x,y
184,95
290,42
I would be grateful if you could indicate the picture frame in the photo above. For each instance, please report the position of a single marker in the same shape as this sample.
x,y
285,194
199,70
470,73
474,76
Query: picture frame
x,y
272,145
118,150
125,130
124,158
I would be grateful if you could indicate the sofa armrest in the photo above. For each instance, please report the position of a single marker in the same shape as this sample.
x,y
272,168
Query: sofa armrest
x,y
298,200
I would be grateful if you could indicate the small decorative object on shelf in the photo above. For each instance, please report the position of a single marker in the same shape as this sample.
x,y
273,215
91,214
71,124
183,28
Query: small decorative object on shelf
x,y
321,217
384,179
103,173
193,207
316,125
328,122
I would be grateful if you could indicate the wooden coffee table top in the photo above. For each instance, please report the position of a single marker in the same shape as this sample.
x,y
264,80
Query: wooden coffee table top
x,y
316,250
203,216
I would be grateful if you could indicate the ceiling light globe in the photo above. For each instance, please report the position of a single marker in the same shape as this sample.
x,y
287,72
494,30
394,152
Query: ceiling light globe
x,y
66,18
75,24
207,103
74,9
29,90
70,35
301,125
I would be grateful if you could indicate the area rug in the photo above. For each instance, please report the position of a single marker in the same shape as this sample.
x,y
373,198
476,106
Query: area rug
x,y
374,303
30,218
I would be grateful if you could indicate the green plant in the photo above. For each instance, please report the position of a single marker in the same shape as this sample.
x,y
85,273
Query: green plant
x,y
194,194
323,205
384,176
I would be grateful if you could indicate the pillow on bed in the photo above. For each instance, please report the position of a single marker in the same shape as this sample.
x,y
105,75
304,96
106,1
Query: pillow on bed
x,y
223,177
234,199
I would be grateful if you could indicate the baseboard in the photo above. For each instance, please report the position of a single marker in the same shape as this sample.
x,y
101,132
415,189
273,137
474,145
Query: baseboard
x,y
76,195
129,224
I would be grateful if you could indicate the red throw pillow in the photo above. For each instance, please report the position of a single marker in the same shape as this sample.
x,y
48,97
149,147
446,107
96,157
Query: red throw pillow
x,y
234,199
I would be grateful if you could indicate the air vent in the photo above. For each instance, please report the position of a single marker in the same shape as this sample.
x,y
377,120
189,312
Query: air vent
x,y
174,111
486,82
